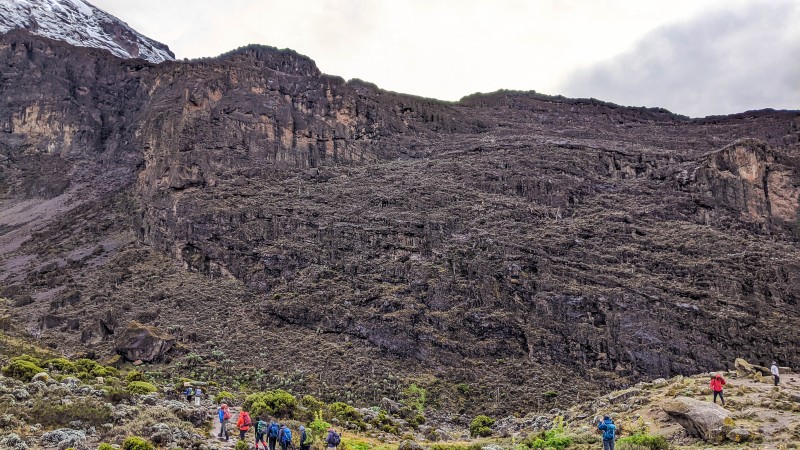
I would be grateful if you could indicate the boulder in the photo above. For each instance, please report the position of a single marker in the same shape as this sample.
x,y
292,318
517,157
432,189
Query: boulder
x,y
744,368
739,435
141,343
701,419
623,396
65,438
391,406
13,442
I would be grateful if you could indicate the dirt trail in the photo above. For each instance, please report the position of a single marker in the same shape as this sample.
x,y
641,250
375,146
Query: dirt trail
x,y
214,441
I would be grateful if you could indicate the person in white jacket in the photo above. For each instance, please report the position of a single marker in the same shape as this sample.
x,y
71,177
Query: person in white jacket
x,y
775,372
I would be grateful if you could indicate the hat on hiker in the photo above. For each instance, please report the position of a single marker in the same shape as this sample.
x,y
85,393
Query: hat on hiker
x,y
302,428
606,418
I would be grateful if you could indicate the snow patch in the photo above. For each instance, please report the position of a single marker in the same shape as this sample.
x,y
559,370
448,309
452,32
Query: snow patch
x,y
79,23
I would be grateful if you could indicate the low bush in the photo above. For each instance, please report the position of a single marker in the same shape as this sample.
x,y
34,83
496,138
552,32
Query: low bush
x,y
275,403
51,414
134,375
242,445
141,388
21,369
105,446
643,440
136,443
384,423
555,438
62,365
311,402
224,396
480,426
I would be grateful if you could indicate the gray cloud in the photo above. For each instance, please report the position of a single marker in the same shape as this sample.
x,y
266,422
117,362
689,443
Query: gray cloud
x,y
721,62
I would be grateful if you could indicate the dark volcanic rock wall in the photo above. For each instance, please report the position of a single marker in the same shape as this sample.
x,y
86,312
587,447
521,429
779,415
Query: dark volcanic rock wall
x,y
509,241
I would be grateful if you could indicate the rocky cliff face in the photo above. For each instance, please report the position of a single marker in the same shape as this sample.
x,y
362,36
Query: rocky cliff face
x,y
512,241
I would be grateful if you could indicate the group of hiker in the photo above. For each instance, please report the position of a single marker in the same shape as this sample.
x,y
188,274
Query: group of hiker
x,y
193,393
270,433
717,383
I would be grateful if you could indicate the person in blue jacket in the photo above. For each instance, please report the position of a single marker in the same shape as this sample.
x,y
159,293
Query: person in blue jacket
x,y
609,432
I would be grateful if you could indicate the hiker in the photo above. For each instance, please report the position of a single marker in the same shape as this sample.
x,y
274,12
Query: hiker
x,y
262,428
609,432
243,423
333,439
716,385
776,374
224,415
272,436
189,393
306,439
198,393
286,437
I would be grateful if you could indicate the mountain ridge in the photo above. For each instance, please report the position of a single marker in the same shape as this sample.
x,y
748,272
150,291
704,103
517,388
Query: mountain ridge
x,y
508,248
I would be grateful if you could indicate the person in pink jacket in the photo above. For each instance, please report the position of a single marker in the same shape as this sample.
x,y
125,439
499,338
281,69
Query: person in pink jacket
x,y
716,384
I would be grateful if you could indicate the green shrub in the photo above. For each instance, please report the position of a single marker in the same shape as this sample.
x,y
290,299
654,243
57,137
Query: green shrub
x,y
480,426
414,397
105,446
21,369
384,423
134,375
223,396
104,371
348,414
554,438
276,403
311,402
136,443
318,426
649,441
29,358
62,365
463,388
141,388
549,395
242,445
86,365
53,414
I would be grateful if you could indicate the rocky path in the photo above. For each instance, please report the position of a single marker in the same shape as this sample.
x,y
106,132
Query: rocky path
x,y
214,441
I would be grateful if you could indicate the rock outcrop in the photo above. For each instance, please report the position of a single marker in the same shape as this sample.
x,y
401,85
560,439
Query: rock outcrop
x,y
701,419
141,343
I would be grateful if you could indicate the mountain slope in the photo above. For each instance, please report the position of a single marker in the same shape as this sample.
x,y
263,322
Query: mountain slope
x,y
509,244
79,23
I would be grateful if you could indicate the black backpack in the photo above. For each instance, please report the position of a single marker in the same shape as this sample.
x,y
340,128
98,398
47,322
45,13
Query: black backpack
x,y
335,439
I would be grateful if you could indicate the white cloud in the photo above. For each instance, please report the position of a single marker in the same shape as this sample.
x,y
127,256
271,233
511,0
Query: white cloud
x,y
725,61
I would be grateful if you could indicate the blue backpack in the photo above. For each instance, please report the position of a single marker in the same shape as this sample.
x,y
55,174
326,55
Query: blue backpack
x,y
273,430
287,435
610,432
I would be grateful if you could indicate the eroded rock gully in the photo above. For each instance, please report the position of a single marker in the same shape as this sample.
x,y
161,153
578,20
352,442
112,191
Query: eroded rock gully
x,y
513,241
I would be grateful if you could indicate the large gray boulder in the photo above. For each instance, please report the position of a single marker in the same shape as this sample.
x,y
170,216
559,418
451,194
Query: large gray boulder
x,y
701,419
141,343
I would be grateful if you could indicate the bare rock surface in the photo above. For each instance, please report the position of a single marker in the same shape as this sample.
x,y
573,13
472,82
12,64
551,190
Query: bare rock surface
x,y
511,243
141,343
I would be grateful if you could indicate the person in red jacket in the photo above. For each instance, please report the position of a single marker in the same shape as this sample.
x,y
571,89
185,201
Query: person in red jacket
x,y
717,382
243,423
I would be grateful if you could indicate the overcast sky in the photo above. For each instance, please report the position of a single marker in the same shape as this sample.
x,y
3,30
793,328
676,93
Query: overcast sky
x,y
694,57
